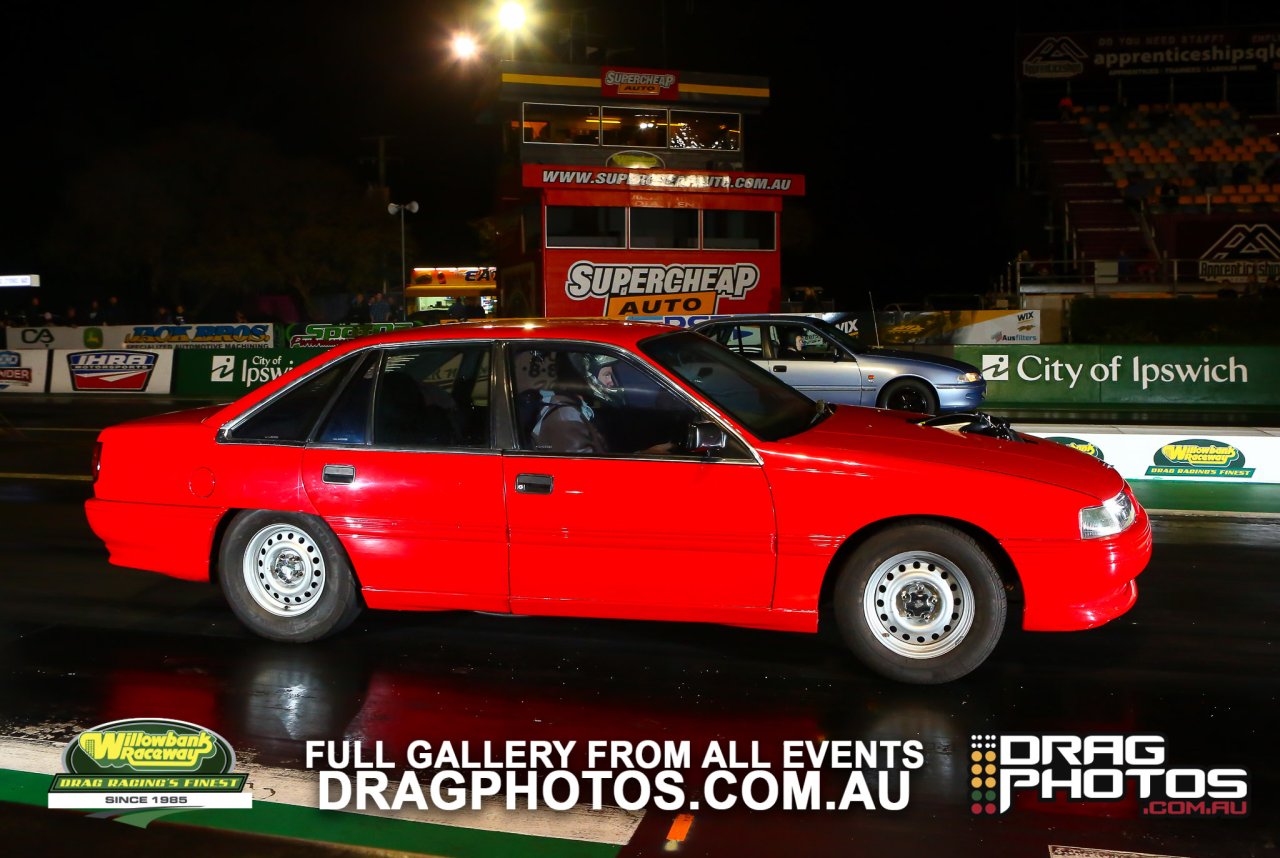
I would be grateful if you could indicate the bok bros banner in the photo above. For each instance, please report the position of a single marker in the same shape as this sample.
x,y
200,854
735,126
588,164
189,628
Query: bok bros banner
x,y
130,371
204,335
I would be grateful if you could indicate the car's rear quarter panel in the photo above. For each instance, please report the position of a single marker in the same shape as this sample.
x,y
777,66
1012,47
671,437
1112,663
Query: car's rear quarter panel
x,y
164,484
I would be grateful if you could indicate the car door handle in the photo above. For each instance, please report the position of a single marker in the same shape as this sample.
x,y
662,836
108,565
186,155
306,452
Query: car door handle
x,y
780,368
343,474
534,484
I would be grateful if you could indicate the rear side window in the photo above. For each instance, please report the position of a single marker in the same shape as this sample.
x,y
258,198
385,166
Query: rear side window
x,y
289,417
348,420
433,397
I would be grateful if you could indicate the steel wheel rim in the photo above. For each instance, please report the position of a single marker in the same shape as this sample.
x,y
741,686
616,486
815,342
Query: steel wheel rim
x,y
284,570
918,604
908,399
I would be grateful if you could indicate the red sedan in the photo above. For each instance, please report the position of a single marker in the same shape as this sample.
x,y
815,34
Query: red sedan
x,y
615,469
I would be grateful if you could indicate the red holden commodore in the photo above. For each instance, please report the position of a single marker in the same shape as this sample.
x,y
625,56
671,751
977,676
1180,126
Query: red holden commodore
x,y
616,469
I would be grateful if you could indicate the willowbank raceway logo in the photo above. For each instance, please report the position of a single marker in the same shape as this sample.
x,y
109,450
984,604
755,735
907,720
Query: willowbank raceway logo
x,y
1199,457
148,764
1083,446
1097,768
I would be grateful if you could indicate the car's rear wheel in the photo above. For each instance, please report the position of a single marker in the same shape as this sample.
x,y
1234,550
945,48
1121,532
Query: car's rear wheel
x,y
910,394
920,603
286,576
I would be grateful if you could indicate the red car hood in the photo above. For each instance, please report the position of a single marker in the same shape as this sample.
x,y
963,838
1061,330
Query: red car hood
x,y
877,433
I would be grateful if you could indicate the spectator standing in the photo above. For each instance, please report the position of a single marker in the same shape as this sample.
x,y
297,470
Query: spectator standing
x,y
94,315
379,308
162,316
358,314
71,319
35,316
112,314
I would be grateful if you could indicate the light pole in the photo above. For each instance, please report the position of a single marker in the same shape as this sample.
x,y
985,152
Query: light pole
x,y
400,209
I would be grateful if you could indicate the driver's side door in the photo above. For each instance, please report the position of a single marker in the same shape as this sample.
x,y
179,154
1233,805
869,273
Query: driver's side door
x,y
643,533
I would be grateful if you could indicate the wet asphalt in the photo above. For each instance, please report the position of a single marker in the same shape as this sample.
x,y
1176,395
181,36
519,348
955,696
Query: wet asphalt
x,y
83,643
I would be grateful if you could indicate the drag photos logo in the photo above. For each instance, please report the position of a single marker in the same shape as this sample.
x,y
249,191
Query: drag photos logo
x,y
1097,768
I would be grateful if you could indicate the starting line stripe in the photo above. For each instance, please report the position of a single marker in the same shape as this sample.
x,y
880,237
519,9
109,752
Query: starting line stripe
x,y
285,804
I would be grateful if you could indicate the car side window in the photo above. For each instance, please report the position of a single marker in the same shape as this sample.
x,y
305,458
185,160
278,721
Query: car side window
x,y
800,342
433,397
348,420
586,401
290,417
746,340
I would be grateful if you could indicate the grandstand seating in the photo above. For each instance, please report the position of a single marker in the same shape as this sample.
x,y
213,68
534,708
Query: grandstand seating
x,y
1212,155
1096,213
1111,170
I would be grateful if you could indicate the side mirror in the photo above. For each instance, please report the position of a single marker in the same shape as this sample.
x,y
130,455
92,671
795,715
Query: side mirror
x,y
705,438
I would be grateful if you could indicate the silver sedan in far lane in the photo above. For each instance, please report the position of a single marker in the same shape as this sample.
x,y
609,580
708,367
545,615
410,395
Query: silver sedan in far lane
x,y
823,362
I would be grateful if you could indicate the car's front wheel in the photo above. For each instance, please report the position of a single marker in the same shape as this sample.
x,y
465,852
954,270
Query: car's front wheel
x,y
910,394
286,576
920,603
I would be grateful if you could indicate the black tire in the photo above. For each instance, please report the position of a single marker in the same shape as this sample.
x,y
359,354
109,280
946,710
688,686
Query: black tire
x,y
921,603
286,576
910,394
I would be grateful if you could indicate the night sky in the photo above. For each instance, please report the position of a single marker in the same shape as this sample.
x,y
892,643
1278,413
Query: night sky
x,y
912,194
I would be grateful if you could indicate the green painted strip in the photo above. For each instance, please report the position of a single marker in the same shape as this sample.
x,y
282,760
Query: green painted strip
x,y
1207,496
353,829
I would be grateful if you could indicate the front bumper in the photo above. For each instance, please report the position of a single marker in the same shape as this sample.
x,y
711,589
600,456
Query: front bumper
x,y
1080,583
961,397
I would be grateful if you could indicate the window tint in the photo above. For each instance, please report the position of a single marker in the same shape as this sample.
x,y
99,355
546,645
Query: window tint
x,y
290,416
737,230
348,420
586,226
767,407
585,401
667,228
433,397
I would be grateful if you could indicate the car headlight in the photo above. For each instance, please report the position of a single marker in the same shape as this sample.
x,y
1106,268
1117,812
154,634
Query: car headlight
x,y
1112,517
970,377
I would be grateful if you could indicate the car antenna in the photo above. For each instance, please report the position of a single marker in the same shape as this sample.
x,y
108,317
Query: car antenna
x,y
872,302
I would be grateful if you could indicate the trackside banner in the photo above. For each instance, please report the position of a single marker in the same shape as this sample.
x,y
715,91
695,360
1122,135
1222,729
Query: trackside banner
x,y
229,373
1128,375
1111,54
111,371
213,335
23,370
1192,454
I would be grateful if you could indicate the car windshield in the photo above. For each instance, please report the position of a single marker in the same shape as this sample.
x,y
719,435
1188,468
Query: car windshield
x,y
766,407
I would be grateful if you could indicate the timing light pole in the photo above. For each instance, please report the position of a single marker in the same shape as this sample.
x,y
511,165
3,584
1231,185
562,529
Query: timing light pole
x,y
400,209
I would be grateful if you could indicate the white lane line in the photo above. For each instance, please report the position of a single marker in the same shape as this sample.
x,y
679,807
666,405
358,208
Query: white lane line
x,y
610,825
1089,852
81,477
